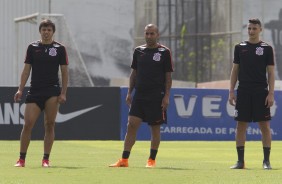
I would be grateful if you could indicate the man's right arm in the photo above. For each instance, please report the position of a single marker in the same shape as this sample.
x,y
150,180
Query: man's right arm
x,y
132,82
24,77
233,80
233,76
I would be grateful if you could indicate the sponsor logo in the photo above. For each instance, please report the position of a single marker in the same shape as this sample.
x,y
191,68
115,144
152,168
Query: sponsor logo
x,y
141,52
183,110
186,107
209,130
13,113
235,113
209,106
61,118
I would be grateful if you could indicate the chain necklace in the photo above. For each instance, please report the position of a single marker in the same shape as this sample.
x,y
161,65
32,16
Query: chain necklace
x,y
46,47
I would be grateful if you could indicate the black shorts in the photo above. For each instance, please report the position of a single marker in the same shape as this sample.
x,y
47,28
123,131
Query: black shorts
x,y
149,111
40,96
250,106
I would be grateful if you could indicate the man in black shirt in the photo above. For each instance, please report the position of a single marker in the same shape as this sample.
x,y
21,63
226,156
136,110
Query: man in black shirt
x,y
151,79
43,59
255,93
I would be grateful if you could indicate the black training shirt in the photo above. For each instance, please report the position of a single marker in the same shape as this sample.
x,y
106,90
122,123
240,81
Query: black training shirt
x,y
151,65
253,60
45,60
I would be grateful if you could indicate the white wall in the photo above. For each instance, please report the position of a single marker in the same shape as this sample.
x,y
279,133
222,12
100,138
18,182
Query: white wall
x,y
10,9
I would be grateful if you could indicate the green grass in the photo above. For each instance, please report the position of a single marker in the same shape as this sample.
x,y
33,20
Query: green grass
x,y
86,162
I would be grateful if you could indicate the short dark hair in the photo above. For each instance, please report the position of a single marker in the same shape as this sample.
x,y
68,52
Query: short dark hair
x,y
255,21
46,23
152,26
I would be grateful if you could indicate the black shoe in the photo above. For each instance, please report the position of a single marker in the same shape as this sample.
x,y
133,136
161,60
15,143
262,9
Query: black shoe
x,y
238,165
266,165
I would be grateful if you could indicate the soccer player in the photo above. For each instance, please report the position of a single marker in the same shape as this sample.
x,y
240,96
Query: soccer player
x,y
151,79
255,92
43,59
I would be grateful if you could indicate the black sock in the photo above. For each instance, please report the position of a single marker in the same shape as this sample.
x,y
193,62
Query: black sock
x,y
125,154
240,152
46,156
266,153
153,154
22,155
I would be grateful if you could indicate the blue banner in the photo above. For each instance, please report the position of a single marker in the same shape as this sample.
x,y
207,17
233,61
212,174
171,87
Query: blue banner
x,y
202,114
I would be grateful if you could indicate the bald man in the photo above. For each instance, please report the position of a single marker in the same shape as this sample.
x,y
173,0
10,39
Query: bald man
x,y
151,79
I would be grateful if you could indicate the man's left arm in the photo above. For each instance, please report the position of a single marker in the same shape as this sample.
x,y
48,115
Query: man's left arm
x,y
168,83
65,79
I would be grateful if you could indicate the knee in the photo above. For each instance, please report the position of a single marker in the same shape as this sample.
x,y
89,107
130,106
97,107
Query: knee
x,y
49,126
131,126
242,127
265,129
28,126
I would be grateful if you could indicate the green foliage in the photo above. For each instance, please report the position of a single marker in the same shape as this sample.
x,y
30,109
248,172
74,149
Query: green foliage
x,y
182,34
210,55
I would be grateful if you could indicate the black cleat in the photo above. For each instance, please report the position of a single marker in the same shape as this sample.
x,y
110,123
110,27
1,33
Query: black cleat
x,y
266,165
238,165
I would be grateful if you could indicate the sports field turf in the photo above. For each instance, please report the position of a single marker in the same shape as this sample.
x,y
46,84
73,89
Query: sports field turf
x,y
180,162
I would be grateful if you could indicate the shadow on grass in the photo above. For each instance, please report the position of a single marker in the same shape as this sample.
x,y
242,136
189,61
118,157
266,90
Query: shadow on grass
x,y
64,167
256,169
158,168
173,168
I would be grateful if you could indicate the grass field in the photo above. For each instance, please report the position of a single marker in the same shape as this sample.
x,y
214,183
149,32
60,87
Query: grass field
x,y
86,162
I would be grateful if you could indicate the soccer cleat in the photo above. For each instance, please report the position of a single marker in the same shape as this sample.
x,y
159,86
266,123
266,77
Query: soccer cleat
x,y
238,165
266,165
120,163
45,163
20,163
151,163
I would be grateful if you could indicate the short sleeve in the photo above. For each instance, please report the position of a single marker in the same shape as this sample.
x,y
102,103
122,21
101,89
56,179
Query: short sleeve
x,y
28,56
270,57
236,59
168,62
134,60
64,59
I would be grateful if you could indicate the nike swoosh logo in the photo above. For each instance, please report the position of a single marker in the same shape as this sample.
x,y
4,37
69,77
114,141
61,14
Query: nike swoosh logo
x,y
65,117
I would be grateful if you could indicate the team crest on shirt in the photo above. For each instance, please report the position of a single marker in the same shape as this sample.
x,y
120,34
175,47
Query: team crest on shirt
x,y
53,52
259,51
157,57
